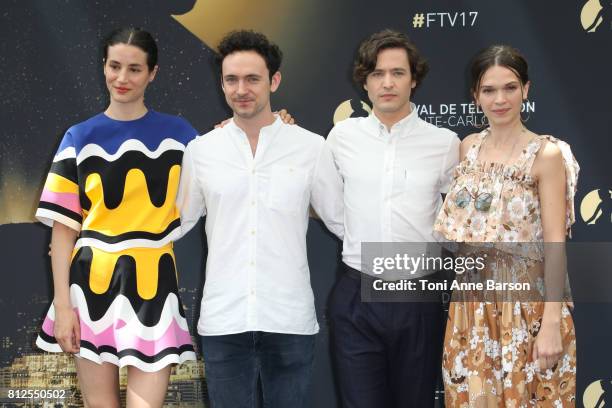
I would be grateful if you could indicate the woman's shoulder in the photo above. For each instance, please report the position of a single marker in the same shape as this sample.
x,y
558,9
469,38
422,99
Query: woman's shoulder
x,y
471,139
177,120
86,127
469,142
551,151
174,125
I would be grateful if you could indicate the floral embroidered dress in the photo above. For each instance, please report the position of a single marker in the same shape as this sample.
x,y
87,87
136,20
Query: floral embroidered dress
x,y
494,210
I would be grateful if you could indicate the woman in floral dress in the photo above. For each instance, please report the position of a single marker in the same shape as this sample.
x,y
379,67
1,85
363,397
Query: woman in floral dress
x,y
512,192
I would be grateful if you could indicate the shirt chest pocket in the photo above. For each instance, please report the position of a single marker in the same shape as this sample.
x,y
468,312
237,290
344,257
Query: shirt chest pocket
x,y
287,188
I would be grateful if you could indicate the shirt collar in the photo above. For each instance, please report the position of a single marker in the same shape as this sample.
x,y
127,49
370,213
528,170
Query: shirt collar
x,y
270,129
402,128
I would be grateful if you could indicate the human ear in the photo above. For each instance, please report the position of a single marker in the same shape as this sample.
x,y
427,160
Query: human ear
x,y
275,81
526,90
153,73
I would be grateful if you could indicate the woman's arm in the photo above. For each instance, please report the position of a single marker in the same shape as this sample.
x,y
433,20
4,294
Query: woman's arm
x,y
549,170
66,328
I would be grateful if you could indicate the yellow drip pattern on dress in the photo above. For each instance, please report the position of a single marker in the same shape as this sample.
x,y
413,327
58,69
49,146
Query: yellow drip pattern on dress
x,y
147,268
136,212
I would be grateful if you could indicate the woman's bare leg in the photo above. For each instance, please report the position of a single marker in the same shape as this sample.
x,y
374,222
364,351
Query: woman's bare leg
x,y
99,383
147,390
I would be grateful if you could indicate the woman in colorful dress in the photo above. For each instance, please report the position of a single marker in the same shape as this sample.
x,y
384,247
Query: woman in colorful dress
x,y
512,192
110,199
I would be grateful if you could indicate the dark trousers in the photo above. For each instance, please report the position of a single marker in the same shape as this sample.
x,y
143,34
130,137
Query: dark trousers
x,y
282,362
386,354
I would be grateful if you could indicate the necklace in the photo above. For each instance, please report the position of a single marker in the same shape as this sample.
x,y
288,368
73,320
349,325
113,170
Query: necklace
x,y
482,199
509,155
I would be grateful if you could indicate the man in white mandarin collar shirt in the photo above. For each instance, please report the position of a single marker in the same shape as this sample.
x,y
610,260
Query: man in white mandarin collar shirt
x,y
254,179
394,167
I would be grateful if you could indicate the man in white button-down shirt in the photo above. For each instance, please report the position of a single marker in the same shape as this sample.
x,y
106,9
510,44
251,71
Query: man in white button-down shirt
x,y
254,179
394,168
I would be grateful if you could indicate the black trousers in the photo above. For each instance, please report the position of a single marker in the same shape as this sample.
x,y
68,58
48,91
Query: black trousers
x,y
386,354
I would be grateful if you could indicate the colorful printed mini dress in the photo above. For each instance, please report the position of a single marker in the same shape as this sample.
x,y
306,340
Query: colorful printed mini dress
x,y
115,182
494,209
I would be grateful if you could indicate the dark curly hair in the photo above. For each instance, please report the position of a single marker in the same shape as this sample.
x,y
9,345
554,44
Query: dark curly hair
x,y
367,55
249,40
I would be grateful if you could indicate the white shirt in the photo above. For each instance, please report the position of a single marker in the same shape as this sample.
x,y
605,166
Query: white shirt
x,y
392,180
257,276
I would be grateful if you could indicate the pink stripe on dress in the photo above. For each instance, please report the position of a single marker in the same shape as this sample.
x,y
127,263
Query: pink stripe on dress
x,y
112,336
47,326
121,339
66,200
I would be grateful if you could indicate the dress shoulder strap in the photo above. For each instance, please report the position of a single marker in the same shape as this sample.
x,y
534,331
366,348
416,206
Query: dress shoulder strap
x,y
525,163
472,153
529,153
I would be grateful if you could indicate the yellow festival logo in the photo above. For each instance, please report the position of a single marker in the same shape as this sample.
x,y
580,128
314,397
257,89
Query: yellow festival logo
x,y
596,207
593,14
351,108
597,393
210,20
